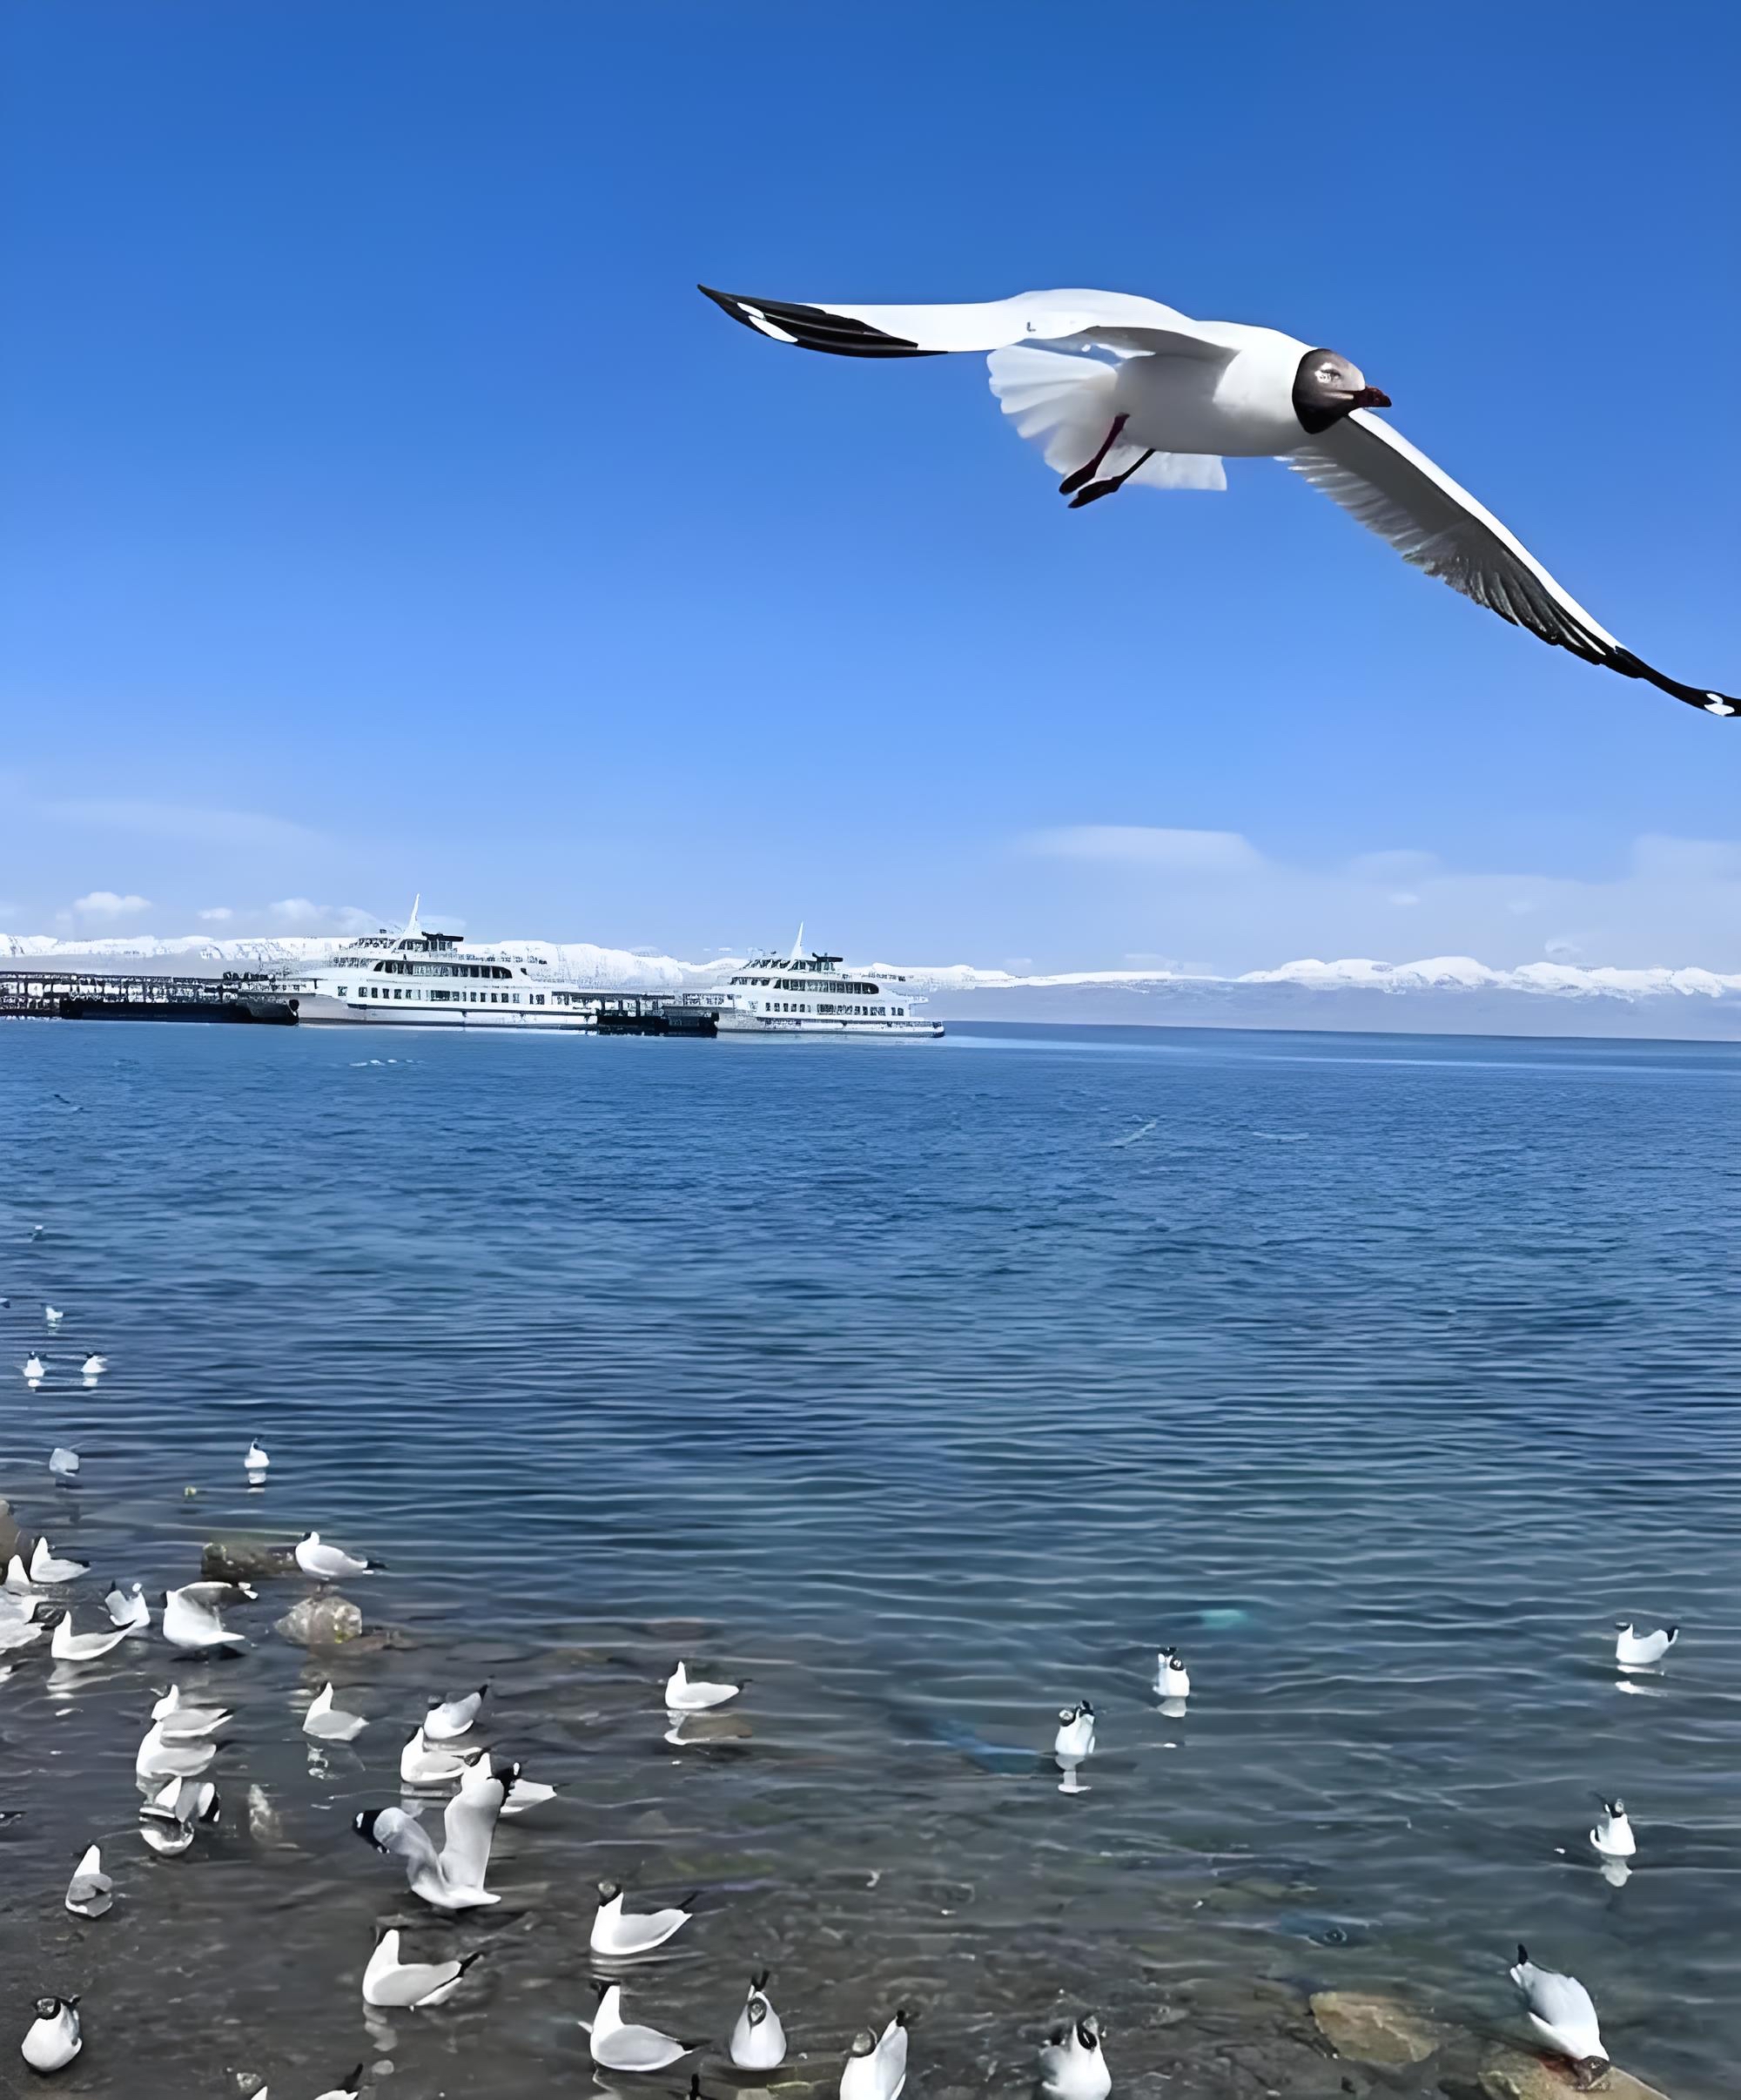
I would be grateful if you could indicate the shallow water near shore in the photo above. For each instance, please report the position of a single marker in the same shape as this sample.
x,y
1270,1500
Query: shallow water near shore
x,y
931,1386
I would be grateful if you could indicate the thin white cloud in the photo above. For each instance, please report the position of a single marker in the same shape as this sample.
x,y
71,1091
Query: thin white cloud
x,y
217,915
303,915
1147,845
108,904
1224,908
184,822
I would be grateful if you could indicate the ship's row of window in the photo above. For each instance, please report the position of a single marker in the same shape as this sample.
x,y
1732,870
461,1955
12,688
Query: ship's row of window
x,y
492,999
799,984
443,969
787,1006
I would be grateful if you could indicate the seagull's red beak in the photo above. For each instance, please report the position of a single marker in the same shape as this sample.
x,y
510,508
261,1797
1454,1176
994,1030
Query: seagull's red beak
x,y
1372,397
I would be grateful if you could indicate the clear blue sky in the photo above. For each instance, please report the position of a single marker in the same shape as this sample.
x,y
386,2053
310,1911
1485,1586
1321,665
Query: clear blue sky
x,y
385,510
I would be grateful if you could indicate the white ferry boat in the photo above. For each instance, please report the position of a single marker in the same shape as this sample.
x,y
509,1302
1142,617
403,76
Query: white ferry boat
x,y
814,995
434,980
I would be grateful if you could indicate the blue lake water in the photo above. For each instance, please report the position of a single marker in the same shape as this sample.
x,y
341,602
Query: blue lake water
x,y
931,1386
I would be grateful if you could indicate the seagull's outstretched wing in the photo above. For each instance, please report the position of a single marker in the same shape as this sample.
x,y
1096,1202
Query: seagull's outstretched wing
x,y
1116,320
1378,477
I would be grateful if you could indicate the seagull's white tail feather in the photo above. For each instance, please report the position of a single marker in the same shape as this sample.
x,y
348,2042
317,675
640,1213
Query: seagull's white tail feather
x,y
1065,404
1171,469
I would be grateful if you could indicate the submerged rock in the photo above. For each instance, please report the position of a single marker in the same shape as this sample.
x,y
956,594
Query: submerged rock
x,y
325,1621
244,1557
1368,2028
1516,2076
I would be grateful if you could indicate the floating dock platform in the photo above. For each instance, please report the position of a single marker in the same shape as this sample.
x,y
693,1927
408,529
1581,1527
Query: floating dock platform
x,y
49,994
101,995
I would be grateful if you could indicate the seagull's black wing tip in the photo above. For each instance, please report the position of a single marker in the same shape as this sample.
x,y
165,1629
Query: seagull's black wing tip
x,y
813,328
1725,706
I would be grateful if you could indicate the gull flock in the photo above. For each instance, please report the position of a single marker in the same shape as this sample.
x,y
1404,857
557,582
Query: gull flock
x,y
183,1740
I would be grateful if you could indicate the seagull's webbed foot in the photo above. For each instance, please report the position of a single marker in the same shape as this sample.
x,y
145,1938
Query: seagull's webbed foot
x,y
1082,476
1095,490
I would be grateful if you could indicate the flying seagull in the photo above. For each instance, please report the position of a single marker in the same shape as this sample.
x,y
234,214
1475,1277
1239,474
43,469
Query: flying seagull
x,y
1183,395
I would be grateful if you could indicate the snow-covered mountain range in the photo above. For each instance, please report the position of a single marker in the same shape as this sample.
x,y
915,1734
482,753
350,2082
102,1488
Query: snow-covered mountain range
x,y
1451,992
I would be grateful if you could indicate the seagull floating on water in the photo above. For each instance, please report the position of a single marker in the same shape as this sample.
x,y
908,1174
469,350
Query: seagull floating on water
x,y
34,1369
88,1894
397,1833
95,1366
254,1459
421,1765
349,2089
181,1722
1638,1650
876,2070
53,1314
454,1878
618,2045
63,1462
54,2038
758,2041
1612,1836
449,1718
330,1562
613,1933
20,1628
687,1694
1183,395
45,1567
1074,1741
68,1647
128,1610
169,1819
330,1724
1172,1678
161,1756
191,1619
1072,2065
1561,2014
524,1794
414,1985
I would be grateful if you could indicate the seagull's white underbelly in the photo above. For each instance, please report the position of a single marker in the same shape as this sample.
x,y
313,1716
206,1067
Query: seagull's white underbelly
x,y
1241,409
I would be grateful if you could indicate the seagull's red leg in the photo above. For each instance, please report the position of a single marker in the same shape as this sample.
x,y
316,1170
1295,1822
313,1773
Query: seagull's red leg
x,y
1095,490
1072,482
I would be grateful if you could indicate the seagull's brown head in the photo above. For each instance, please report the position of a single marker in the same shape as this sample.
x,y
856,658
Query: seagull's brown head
x,y
1327,388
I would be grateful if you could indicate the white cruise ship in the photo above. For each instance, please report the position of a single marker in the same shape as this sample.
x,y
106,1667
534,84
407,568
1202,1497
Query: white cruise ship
x,y
433,980
800,994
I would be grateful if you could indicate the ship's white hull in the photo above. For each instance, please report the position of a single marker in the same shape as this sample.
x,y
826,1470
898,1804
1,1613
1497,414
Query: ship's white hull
x,y
320,1009
733,1021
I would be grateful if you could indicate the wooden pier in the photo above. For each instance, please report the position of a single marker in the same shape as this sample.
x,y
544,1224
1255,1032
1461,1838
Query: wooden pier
x,y
58,994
